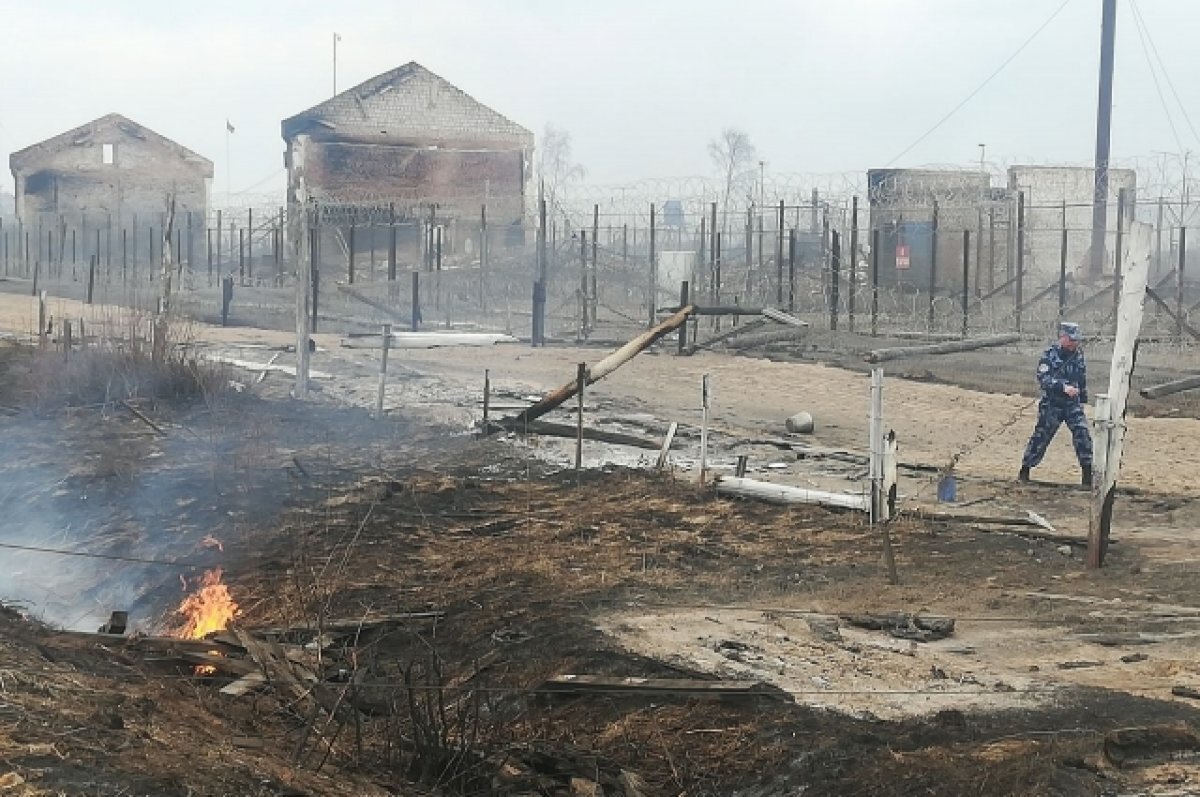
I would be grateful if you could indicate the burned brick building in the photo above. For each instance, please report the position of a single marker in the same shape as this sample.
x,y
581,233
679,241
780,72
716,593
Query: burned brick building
x,y
108,173
404,147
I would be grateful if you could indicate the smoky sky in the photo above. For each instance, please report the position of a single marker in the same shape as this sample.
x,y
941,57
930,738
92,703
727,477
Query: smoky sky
x,y
820,86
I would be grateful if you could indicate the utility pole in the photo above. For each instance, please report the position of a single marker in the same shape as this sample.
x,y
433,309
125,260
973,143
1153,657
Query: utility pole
x,y
1108,32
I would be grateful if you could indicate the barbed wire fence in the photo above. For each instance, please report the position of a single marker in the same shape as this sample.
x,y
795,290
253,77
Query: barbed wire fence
x,y
938,251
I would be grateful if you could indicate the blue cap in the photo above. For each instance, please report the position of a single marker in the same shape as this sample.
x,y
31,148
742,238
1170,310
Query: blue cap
x,y
1070,330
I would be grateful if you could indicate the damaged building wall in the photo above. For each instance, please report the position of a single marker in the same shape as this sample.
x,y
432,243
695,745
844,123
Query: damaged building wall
x,y
458,181
108,172
403,143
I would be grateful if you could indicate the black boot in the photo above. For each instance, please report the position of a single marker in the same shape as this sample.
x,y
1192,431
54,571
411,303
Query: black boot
x,y
1023,476
1087,474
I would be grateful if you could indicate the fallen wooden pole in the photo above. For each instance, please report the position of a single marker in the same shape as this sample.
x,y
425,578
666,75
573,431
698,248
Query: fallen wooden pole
x,y
950,347
571,432
655,686
782,494
733,332
612,362
716,310
768,337
1169,388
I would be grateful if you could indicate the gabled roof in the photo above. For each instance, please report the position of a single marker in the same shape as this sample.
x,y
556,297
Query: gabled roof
x,y
84,133
408,103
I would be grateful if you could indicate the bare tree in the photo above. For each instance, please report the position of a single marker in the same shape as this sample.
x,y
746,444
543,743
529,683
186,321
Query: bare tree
x,y
734,156
556,169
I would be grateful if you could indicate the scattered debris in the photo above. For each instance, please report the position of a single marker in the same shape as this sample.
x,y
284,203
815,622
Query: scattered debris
x,y
902,625
825,628
1131,746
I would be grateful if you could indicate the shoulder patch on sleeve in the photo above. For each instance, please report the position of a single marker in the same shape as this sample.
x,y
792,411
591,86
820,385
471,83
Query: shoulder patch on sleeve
x,y
1043,368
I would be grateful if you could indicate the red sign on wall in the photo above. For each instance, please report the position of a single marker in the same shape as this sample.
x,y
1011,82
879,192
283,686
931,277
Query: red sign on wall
x,y
902,260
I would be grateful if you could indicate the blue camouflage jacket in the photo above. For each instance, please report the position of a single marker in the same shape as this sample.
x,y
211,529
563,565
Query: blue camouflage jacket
x,y
1057,369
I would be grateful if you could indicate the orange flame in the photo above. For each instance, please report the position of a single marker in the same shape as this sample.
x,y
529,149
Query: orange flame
x,y
208,609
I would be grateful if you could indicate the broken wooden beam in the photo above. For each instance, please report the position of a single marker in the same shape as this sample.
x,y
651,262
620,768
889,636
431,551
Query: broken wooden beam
x,y
612,362
949,347
782,494
1170,388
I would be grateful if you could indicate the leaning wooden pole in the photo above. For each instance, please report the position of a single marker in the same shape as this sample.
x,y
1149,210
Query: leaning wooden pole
x,y
1110,414
612,362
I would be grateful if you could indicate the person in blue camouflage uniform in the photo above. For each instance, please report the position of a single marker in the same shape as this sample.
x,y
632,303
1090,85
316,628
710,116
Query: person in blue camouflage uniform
x,y
1062,375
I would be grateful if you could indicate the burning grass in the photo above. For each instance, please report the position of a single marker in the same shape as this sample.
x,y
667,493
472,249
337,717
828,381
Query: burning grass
x,y
208,609
523,570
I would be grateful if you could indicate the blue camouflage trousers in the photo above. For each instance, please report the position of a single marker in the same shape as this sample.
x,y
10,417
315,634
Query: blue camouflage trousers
x,y
1051,414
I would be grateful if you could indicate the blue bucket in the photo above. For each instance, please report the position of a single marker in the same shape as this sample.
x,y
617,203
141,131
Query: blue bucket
x,y
947,490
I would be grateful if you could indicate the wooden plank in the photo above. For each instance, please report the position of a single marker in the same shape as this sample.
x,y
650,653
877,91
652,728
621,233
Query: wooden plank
x,y
782,494
244,685
949,347
157,644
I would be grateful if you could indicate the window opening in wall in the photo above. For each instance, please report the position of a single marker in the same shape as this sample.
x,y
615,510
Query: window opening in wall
x,y
108,154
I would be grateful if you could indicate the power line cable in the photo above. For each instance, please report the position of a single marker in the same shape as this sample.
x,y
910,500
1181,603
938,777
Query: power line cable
x,y
111,557
982,85
1139,25
1166,75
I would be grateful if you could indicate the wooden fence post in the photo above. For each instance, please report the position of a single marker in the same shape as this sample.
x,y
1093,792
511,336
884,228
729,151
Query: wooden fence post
x,y
383,364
